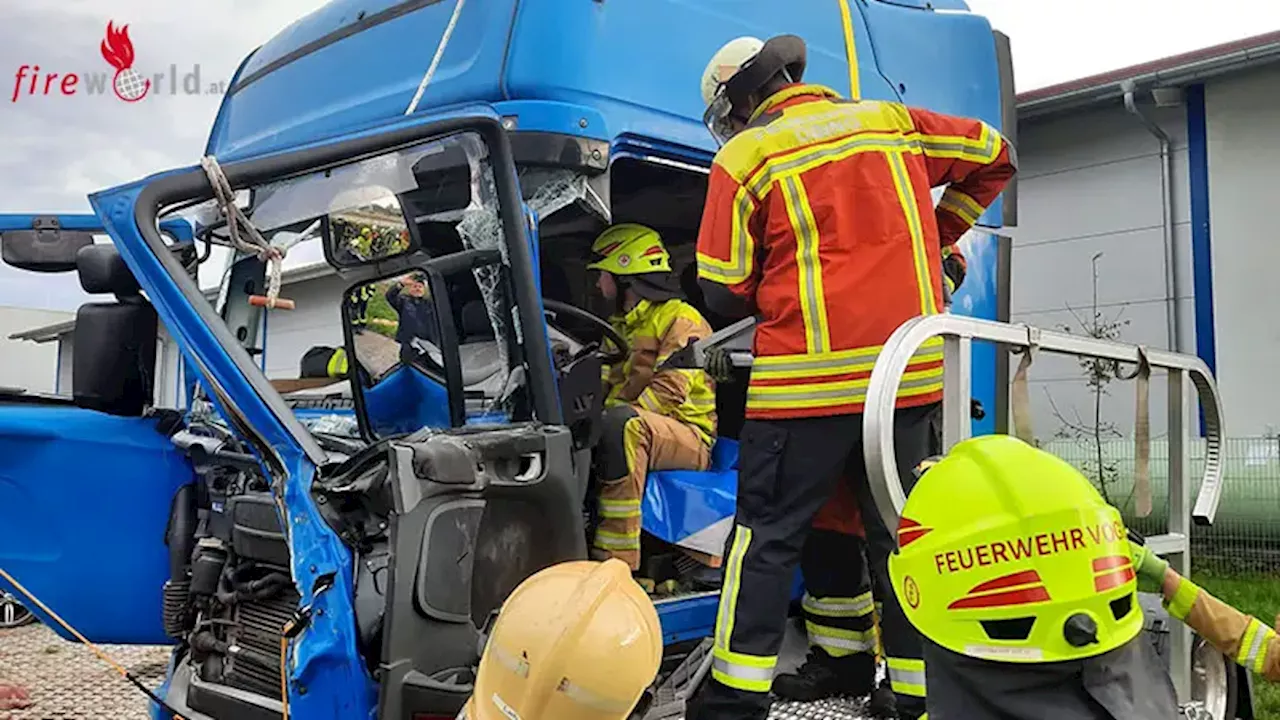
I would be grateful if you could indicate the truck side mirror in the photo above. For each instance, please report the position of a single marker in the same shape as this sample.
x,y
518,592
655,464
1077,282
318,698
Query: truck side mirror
x,y
366,225
45,248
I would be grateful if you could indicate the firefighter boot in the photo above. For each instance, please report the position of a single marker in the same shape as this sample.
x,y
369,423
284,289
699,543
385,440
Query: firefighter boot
x,y
823,676
883,705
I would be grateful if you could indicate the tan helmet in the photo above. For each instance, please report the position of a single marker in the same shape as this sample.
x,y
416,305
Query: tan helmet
x,y
726,63
742,67
576,641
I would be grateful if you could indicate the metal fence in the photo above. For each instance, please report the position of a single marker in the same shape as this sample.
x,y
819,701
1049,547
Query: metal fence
x,y
1245,536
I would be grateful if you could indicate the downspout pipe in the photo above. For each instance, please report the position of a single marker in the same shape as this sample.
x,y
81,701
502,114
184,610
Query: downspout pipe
x,y
1171,289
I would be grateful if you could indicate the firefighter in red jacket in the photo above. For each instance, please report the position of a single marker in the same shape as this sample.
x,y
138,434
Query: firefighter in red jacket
x,y
838,607
817,221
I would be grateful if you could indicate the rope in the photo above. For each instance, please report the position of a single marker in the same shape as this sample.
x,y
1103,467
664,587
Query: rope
x,y
1021,398
239,226
103,656
1141,433
435,61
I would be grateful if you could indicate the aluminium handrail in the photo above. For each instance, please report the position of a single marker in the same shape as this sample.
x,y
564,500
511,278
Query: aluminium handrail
x,y
958,333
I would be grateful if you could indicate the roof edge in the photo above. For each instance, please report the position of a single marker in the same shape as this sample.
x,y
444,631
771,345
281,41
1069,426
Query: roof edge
x,y
53,331
45,333
1177,70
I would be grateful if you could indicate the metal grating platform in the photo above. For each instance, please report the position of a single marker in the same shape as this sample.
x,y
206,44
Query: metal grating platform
x,y
839,709
67,682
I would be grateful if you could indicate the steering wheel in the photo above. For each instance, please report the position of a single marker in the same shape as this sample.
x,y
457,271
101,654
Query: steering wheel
x,y
622,352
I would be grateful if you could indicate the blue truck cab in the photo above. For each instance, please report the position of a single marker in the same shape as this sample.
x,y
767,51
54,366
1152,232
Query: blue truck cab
x,y
464,152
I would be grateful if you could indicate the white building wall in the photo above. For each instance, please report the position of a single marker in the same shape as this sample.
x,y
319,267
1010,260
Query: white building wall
x,y
1243,118
316,320
1090,183
66,350
25,364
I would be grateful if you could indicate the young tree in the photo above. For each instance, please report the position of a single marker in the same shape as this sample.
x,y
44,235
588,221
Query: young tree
x,y
1092,433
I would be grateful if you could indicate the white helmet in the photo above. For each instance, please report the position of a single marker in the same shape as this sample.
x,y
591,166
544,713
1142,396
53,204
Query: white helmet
x,y
727,61
741,67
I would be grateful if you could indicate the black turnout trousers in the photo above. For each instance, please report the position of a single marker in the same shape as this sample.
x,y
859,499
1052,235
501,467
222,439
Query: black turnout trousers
x,y
787,471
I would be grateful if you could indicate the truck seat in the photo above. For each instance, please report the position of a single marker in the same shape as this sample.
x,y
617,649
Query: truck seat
x,y
679,504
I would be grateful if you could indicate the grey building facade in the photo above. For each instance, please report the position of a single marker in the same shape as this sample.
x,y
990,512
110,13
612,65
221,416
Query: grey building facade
x,y
1185,256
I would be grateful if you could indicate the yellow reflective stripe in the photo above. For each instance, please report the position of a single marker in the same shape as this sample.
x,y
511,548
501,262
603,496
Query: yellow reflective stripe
x,y
983,150
961,205
911,210
617,541
839,642
1183,599
811,156
337,365
751,673
839,362
838,607
732,585
1251,644
742,246
619,509
850,50
812,395
1260,657
813,308
906,676
650,401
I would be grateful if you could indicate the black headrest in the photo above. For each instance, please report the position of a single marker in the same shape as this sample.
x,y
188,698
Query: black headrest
x,y
103,271
475,320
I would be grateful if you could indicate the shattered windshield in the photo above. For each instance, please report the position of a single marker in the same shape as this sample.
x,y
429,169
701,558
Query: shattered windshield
x,y
277,284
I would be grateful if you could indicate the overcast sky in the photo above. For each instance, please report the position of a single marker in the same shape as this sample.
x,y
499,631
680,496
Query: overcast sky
x,y
56,150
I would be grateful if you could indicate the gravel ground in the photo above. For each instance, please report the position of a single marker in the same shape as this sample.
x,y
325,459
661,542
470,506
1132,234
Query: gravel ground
x,y
67,681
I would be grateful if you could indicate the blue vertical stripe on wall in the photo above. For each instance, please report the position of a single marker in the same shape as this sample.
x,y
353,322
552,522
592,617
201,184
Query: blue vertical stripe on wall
x,y
1201,246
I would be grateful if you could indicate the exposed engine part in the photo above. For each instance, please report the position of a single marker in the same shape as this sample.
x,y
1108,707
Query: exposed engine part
x,y
253,655
250,582
206,568
231,593
178,616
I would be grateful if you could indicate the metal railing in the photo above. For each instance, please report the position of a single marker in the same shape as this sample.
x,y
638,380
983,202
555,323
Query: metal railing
x,y
958,334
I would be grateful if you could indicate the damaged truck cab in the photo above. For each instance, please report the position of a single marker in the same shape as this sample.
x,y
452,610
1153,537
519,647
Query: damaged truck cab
x,y
451,164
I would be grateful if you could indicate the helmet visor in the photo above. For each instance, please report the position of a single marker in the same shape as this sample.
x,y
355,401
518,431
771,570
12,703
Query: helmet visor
x,y
719,118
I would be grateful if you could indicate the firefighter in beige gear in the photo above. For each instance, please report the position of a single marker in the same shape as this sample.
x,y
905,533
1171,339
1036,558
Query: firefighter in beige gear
x,y
654,419
576,641
1243,638
819,221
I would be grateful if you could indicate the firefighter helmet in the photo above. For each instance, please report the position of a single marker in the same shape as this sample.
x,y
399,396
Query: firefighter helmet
x,y
741,67
630,249
1008,553
576,641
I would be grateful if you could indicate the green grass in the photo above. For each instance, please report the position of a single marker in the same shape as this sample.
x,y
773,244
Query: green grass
x,y
1259,596
380,309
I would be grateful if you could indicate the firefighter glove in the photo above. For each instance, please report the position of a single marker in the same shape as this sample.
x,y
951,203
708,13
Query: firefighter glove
x,y
719,365
1147,564
953,272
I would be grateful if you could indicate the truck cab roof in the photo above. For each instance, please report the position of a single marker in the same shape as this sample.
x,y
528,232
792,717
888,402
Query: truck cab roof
x,y
599,70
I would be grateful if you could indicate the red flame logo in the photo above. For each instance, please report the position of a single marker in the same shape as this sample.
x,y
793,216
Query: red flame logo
x,y
117,49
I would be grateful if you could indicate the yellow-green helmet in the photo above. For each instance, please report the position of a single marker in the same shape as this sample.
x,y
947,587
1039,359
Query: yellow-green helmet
x,y
1008,553
630,249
